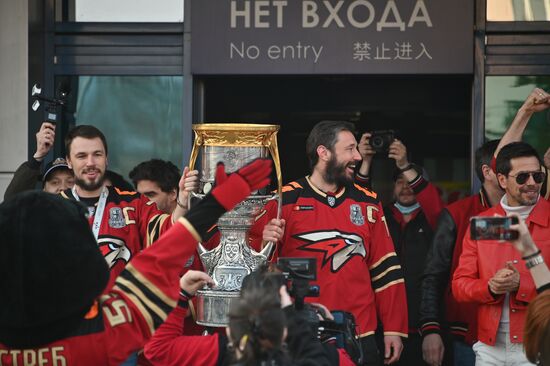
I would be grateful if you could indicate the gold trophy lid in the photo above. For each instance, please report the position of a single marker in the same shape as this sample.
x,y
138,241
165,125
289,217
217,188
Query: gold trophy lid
x,y
249,127
235,134
238,135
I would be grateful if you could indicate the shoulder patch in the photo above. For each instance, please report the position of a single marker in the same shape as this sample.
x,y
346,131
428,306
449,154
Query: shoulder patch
x,y
366,191
287,189
124,193
295,184
119,195
291,186
291,192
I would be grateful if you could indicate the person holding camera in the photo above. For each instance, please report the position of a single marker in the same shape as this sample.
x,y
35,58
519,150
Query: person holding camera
x,y
264,329
411,219
488,272
342,225
57,176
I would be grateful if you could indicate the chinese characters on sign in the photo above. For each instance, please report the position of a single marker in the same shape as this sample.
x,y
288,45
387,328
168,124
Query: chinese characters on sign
x,y
332,36
408,51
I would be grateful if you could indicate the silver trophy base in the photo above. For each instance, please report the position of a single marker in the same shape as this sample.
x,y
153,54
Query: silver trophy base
x,y
213,307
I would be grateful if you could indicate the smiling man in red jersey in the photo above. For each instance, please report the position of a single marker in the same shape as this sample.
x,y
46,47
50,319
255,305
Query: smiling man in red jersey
x,y
123,223
342,225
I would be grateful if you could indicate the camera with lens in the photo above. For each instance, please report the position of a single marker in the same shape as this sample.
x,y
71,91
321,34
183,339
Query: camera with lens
x,y
296,275
52,106
381,140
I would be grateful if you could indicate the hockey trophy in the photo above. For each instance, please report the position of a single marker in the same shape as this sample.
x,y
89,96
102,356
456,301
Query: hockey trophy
x,y
232,259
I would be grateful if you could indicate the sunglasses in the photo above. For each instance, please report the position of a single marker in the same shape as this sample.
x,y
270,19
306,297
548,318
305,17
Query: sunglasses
x,y
521,178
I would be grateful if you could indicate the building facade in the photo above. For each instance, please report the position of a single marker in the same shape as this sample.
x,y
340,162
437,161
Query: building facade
x,y
442,74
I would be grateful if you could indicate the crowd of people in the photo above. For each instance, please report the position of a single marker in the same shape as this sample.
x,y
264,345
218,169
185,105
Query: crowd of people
x,y
108,275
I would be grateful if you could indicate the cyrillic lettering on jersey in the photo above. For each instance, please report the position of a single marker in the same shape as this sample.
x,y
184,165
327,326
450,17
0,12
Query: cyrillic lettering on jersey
x,y
47,356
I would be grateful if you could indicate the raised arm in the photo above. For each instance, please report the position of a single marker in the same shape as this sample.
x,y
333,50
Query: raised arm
x,y
28,173
537,101
367,153
426,193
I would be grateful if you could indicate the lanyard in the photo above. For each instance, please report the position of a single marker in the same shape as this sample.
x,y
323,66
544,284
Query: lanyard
x,y
99,211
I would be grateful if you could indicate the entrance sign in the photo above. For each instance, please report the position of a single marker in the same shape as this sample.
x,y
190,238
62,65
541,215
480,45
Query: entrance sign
x,y
332,36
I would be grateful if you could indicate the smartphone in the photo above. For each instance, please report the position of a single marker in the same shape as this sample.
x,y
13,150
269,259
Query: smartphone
x,y
492,228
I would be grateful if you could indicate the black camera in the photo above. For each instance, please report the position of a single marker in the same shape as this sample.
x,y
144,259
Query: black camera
x,y
297,272
381,140
52,106
342,331
296,275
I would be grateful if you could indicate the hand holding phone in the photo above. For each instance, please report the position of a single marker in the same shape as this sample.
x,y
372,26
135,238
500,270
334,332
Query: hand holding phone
x,y
524,243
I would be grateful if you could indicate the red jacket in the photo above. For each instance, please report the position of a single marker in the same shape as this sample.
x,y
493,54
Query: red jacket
x,y
480,260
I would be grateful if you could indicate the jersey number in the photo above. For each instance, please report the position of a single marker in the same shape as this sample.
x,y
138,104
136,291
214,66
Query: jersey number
x,y
118,313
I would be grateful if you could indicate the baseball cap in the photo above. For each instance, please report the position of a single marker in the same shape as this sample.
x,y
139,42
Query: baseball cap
x,y
58,163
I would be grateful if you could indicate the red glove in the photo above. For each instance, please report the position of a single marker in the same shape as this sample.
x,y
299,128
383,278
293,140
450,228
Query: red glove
x,y
234,188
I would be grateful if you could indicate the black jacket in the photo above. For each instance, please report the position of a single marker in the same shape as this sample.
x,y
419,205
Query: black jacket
x,y
437,274
412,243
25,178
438,307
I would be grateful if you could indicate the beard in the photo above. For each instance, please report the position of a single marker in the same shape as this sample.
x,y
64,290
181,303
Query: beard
x,y
335,173
524,201
90,186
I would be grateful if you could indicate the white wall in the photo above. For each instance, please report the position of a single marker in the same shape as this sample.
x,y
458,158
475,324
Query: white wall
x,y
13,87
129,11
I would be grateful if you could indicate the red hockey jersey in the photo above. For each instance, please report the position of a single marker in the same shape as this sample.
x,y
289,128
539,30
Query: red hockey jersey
x,y
122,320
130,223
358,270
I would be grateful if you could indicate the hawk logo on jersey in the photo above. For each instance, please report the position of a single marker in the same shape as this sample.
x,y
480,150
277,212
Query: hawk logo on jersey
x,y
337,247
113,250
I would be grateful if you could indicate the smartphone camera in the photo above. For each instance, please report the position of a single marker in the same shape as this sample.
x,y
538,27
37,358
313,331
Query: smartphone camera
x,y
493,228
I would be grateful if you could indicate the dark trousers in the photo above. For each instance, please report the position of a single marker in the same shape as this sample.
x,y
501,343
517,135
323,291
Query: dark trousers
x,y
412,352
371,355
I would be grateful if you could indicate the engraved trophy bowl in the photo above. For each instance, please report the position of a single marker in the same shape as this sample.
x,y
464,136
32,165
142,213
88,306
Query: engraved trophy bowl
x,y
236,145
